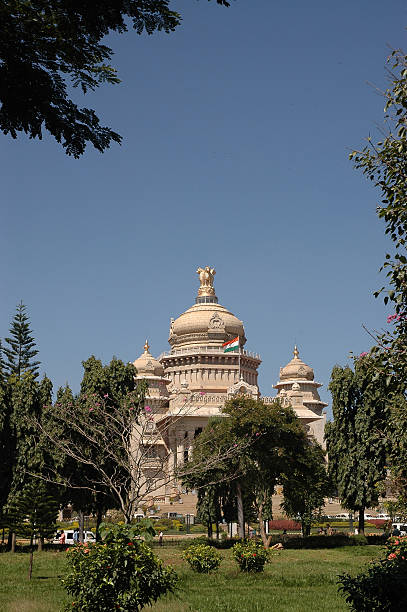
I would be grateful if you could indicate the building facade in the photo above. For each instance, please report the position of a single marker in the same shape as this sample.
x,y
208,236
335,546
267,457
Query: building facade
x,y
191,382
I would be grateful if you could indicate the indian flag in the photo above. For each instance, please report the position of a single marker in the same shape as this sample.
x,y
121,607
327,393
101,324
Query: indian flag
x,y
231,345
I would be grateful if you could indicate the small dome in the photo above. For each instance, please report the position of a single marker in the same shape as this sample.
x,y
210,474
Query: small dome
x,y
146,365
296,369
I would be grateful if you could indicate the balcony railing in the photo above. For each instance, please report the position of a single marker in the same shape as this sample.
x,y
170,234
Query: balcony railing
x,y
207,350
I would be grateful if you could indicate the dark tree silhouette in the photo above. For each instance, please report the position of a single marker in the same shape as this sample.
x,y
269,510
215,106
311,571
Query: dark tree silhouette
x,y
21,346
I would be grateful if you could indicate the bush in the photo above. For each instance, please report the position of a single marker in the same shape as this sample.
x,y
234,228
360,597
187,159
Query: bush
x,y
322,541
281,524
382,587
376,538
119,573
202,558
250,556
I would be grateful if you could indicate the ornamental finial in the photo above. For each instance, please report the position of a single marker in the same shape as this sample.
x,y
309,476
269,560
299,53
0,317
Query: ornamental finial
x,y
296,353
146,346
206,277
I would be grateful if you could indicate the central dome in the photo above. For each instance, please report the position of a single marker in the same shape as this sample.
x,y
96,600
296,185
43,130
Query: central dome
x,y
207,322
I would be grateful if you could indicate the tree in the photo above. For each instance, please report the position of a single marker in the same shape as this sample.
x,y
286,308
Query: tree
x,y
46,43
25,450
269,443
357,450
6,446
307,487
21,346
384,161
33,515
2,364
111,436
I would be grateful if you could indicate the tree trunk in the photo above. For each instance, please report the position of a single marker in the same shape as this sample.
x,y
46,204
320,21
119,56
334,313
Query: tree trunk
x,y
81,523
98,521
40,543
264,538
2,537
210,533
240,513
362,520
217,530
13,542
30,567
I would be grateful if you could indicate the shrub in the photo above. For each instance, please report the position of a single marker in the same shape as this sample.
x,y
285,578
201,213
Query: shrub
x,y
382,587
376,538
281,524
202,558
322,541
379,523
120,573
250,556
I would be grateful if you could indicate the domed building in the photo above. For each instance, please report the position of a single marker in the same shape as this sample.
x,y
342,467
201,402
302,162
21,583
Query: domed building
x,y
208,364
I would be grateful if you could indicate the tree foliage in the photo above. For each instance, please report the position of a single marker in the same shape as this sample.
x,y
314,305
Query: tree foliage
x,y
245,455
92,435
307,487
47,45
357,448
21,350
384,161
32,514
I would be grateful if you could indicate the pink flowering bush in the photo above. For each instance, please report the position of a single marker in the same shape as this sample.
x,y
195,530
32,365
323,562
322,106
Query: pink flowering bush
x,y
382,586
120,573
397,549
250,556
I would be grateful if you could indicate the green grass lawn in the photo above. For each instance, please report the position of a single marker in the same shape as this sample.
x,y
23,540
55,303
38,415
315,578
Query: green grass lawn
x,y
295,580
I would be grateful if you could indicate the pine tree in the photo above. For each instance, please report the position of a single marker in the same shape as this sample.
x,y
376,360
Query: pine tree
x,y
21,349
33,514
2,364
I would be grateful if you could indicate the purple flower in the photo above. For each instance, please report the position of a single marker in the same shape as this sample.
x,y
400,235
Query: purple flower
x,y
106,395
147,408
363,354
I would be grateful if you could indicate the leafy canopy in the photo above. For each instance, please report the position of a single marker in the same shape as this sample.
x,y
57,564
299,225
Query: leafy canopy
x,y
46,45
356,447
384,161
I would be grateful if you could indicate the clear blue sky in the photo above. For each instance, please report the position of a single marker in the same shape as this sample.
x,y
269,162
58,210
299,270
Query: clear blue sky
x,y
237,130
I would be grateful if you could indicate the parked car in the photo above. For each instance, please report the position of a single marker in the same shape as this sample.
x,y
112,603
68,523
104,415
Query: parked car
x,y
88,536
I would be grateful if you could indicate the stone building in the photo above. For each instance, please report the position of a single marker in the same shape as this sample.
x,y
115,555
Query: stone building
x,y
191,382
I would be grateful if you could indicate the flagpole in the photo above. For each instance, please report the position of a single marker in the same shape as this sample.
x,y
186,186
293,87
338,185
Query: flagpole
x,y
239,357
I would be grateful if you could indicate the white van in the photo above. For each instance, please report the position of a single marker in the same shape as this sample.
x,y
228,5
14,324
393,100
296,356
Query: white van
x,y
88,536
402,527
